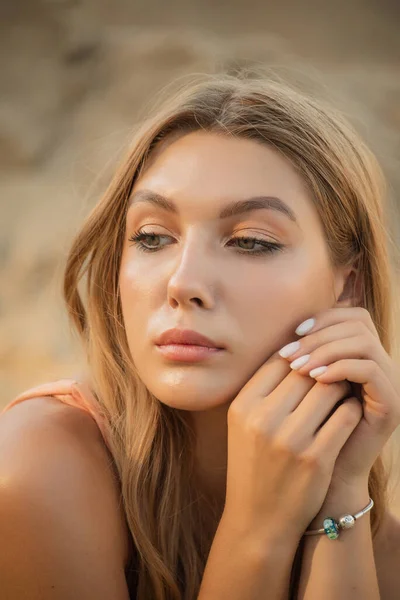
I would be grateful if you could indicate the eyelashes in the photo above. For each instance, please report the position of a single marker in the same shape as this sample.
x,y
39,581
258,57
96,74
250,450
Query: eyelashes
x,y
139,237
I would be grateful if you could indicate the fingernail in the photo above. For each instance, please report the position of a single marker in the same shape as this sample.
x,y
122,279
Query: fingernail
x,y
299,362
289,349
305,327
317,371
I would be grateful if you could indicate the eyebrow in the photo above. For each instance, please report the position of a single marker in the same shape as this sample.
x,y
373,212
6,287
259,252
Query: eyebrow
x,y
234,208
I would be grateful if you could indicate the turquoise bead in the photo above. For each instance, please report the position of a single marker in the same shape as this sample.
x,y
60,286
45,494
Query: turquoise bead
x,y
331,528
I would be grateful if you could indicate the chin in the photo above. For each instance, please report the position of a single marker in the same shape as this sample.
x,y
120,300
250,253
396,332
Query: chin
x,y
190,397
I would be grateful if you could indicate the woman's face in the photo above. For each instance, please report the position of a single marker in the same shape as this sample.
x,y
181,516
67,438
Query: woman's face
x,y
206,273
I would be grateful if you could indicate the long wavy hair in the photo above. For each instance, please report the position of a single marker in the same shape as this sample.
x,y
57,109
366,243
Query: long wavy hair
x,y
171,528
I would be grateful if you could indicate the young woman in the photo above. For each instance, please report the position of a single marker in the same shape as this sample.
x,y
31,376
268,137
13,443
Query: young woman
x,y
205,452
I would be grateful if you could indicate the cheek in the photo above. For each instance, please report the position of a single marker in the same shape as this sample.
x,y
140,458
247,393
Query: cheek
x,y
274,304
127,290
272,291
136,281
137,291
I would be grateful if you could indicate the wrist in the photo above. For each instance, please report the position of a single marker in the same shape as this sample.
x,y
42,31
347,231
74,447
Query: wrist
x,y
274,540
342,499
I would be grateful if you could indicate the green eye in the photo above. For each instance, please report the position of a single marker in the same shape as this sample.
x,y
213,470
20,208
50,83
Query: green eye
x,y
251,242
138,238
246,245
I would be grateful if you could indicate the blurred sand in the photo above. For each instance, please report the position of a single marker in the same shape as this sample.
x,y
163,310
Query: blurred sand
x,y
75,76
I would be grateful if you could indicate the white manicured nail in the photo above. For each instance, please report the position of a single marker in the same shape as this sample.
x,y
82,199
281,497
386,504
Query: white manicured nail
x,y
299,362
317,371
305,327
289,349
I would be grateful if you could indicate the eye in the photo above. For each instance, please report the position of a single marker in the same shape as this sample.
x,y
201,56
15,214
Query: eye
x,y
146,241
139,237
249,244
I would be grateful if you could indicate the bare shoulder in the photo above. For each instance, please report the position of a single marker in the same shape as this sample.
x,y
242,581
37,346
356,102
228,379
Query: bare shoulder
x,y
61,524
44,432
387,557
44,414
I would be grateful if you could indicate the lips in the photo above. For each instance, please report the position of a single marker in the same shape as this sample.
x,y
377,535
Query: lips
x,y
187,337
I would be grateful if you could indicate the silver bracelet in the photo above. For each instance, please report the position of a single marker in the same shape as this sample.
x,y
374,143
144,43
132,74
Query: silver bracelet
x,y
332,526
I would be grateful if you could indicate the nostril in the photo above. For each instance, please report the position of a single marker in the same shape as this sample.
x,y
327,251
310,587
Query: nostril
x,y
198,301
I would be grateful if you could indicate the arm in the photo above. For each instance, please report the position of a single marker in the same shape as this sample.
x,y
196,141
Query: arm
x,y
47,554
343,568
58,526
241,565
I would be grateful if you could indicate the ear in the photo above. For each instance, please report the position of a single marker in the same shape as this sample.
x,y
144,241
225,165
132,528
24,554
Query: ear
x,y
348,287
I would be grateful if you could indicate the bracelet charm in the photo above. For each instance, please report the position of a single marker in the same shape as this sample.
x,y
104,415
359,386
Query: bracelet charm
x,y
331,528
346,522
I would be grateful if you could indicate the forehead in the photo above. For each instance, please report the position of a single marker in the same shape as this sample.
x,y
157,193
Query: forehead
x,y
203,170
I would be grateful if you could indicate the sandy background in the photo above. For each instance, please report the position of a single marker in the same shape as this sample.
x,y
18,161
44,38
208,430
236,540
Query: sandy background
x,y
76,76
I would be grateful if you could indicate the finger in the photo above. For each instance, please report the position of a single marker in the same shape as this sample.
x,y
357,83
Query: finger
x,y
332,436
341,331
287,396
381,399
267,377
331,316
358,347
317,404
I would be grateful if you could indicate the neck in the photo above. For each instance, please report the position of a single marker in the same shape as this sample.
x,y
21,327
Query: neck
x,y
211,453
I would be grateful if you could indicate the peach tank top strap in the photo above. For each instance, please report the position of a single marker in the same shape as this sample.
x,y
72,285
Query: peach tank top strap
x,y
69,391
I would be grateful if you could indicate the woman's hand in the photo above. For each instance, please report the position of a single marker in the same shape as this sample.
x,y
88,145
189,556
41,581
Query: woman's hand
x,y
280,459
345,342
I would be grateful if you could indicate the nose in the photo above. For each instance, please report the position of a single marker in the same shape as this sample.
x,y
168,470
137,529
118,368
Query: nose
x,y
190,283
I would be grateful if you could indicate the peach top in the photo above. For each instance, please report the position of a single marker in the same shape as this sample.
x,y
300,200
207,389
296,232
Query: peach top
x,y
69,391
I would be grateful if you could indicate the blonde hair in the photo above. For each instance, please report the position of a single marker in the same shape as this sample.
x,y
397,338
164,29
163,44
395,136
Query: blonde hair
x,y
152,444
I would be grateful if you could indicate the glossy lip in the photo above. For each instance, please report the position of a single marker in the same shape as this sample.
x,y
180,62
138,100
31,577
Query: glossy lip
x,y
185,337
188,353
